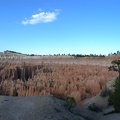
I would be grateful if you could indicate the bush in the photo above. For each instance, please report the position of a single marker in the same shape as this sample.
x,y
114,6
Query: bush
x,y
105,93
71,103
94,108
115,97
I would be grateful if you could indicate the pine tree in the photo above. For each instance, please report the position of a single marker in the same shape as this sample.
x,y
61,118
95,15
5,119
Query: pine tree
x,y
115,67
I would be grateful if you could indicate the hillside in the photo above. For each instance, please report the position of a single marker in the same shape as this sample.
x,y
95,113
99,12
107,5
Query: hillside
x,y
29,78
58,76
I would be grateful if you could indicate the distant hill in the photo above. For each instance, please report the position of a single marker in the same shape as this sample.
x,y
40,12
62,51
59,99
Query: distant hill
x,y
8,51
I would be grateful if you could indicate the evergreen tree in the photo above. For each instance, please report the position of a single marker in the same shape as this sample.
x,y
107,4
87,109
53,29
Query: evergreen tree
x,y
115,66
115,97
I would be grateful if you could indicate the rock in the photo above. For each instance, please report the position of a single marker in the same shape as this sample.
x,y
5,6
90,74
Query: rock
x,y
60,80
98,101
108,110
115,116
35,108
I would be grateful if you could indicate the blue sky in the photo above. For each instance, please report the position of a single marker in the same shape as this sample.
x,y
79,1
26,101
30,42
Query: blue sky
x,y
60,26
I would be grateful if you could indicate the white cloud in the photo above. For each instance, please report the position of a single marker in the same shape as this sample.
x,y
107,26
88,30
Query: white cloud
x,y
41,17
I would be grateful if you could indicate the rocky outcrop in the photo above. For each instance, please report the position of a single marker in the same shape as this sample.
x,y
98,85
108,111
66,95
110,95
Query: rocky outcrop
x,y
14,72
79,81
39,108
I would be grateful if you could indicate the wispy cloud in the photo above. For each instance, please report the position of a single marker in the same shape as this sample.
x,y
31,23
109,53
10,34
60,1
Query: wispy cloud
x,y
41,17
